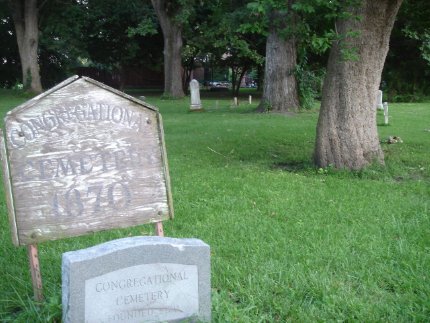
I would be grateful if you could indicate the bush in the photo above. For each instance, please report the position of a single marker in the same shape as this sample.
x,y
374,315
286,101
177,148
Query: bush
x,y
310,85
415,97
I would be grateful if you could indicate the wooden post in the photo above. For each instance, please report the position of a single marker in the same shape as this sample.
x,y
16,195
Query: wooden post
x,y
159,229
250,99
36,277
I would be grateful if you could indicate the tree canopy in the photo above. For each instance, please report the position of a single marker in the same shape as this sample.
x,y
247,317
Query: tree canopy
x,y
110,35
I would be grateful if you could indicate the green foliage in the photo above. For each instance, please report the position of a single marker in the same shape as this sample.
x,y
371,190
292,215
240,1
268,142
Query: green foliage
x,y
109,35
10,67
310,80
407,68
108,28
228,42
320,44
424,38
414,97
146,26
232,43
416,25
266,106
113,34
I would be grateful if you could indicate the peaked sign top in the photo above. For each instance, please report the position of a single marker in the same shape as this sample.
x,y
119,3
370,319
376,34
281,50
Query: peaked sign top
x,y
83,157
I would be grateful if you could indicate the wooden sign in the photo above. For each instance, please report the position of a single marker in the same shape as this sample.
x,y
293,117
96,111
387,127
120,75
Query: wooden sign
x,y
83,157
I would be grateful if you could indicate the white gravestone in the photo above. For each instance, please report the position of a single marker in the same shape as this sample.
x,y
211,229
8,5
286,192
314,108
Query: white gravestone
x,y
138,279
379,104
196,104
385,112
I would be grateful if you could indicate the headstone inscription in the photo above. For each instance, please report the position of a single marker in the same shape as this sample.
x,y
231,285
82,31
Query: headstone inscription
x,y
138,279
196,104
83,157
379,104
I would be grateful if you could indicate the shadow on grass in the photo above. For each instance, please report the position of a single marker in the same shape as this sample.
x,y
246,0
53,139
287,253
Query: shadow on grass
x,y
373,172
294,166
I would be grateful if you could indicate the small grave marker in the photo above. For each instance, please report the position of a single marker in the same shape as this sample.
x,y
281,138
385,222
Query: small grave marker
x,y
386,113
196,104
138,279
379,104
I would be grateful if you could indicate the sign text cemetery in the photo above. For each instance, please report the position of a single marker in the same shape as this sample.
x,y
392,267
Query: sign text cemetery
x,y
80,158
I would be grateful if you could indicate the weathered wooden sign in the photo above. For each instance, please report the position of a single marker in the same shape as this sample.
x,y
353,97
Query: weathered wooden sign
x,y
83,157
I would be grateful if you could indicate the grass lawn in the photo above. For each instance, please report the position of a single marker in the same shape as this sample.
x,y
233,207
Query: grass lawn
x,y
289,242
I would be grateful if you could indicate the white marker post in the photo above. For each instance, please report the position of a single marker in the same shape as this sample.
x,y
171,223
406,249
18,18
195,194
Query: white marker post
x,y
385,112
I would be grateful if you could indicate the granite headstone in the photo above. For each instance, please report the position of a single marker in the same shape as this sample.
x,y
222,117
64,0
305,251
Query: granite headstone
x,y
138,279
196,104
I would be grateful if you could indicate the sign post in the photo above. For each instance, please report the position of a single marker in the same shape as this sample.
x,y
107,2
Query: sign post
x,y
36,276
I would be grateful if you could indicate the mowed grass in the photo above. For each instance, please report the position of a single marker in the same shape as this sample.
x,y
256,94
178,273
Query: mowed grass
x,y
289,242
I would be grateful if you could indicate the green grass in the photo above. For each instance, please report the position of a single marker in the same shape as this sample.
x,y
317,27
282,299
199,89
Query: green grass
x,y
289,242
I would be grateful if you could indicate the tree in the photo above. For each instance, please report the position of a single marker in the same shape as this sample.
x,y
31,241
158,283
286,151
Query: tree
x,y
289,28
231,41
407,67
10,73
195,41
346,132
113,32
416,24
25,18
280,87
238,56
171,26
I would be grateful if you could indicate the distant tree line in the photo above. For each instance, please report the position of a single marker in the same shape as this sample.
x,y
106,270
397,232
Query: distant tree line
x,y
292,44
115,35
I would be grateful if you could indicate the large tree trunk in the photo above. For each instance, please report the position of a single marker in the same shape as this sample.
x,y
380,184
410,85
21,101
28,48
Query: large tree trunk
x,y
347,136
25,18
172,32
280,86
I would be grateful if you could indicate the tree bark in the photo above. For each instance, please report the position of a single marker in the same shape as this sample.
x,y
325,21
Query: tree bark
x,y
172,33
347,136
25,18
280,85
